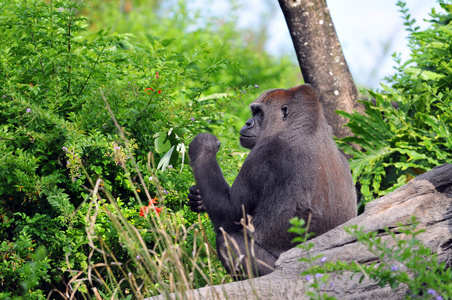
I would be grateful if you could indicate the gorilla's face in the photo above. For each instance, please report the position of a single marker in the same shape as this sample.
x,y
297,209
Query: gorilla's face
x,y
280,111
250,132
268,119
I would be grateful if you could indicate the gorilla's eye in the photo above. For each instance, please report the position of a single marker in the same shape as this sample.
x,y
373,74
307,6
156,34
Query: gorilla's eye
x,y
285,112
257,112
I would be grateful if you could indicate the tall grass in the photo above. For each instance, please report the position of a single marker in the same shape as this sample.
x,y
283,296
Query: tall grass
x,y
162,267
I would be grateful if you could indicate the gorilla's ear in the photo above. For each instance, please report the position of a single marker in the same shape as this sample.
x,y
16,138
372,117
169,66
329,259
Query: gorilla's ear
x,y
285,112
305,89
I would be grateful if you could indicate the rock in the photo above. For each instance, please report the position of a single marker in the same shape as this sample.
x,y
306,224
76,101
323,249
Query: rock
x,y
428,197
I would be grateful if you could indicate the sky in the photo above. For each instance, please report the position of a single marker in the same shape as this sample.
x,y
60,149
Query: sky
x,y
374,24
364,28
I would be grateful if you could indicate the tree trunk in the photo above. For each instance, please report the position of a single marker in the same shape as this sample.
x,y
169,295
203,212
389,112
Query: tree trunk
x,y
321,59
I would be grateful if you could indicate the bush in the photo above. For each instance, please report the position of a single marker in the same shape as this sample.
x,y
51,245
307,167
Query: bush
x,y
400,143
59,141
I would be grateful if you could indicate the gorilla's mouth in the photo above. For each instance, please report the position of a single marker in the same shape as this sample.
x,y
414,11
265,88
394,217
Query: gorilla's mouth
x,y
248,141
247,136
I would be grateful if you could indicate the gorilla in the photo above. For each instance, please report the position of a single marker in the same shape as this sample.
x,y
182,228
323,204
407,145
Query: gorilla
x,y
293,169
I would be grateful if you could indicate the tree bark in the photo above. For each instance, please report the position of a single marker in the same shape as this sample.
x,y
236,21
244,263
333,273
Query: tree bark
x,y
321,59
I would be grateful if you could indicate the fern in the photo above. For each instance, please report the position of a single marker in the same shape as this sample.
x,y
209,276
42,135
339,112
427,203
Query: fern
x,y
60,202
397,144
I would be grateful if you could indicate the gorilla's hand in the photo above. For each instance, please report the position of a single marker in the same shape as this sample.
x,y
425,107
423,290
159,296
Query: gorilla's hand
x,y
204,144
194,200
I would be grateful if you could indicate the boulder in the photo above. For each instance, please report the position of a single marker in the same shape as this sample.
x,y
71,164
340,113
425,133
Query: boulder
x,y
428,197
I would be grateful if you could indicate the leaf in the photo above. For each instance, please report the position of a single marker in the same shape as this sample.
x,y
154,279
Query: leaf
x,y
447,7
60,201
162,142
213,96
181,131
358,163
164,161
412,154
440,128
389,90
98,170
369,128
182,150
403,165
423,74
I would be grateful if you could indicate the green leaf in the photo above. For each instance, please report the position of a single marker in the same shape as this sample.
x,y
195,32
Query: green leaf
x,y
60,201
164,161
213,96
423,74
162,142
98,170
358,163
181,131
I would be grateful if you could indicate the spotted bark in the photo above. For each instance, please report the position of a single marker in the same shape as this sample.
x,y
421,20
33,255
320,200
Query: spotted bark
x,y
321,59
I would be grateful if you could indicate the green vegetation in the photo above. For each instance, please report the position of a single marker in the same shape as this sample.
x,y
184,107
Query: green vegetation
x,y
97,106
165,80
403,260
400,143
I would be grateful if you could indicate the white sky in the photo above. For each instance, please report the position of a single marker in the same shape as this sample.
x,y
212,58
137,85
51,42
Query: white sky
x,y
372,24
363,27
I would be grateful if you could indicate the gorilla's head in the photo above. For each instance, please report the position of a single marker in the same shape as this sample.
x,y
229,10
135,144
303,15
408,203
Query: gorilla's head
x,y
277,110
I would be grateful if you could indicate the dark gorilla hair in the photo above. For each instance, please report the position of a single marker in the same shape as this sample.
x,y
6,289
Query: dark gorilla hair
x,y
294,169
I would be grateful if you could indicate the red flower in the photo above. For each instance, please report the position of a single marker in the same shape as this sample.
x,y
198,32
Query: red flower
x,y
149,89
158,210
144,211
31,84
159,91
157,76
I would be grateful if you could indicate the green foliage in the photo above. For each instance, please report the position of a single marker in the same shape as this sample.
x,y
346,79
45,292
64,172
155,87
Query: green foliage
x,y
316,280
402,260
22,268
58,142
397,144
159,251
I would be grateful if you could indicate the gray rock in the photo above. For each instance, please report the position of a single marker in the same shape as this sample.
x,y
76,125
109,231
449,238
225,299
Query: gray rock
x,y
428,197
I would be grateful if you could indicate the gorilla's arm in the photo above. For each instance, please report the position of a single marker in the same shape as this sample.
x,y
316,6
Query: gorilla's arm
x,y
213,189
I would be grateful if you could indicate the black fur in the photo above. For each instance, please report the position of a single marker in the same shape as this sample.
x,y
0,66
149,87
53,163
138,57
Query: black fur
x,y
293,169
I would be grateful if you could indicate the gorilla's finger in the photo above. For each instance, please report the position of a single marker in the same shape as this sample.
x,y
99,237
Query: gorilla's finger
x,y
198,209
193,203
196,206
193,190
194,197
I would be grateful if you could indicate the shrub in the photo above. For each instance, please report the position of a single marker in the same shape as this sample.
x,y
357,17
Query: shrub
x,y
57,138
400,143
